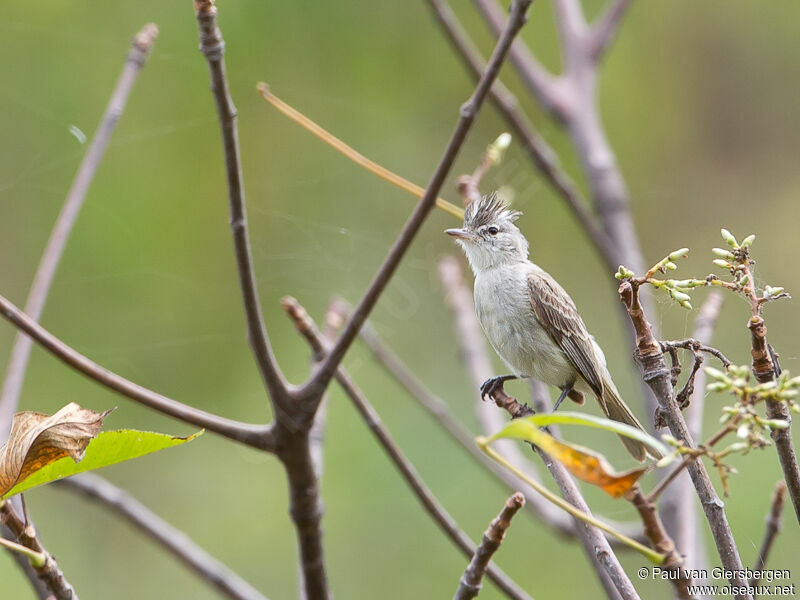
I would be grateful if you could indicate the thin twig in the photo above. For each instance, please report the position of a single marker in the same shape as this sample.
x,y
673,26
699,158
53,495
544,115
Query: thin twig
x,y
51,257
772,530
657,375
470,584
176,542
44,564
351,153
258,436
468,113
308,330
213,48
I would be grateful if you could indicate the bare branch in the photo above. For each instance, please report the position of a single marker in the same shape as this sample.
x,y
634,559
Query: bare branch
x,y
772,530
657,375
46,567
469,111
572,30
45,273
258,436
213,48
176,542
308,330
545,86
470,584
605,28
613,578
538,150
765,369
678,504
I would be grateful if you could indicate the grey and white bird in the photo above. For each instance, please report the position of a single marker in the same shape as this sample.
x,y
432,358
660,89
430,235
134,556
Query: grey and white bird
x,y
530,320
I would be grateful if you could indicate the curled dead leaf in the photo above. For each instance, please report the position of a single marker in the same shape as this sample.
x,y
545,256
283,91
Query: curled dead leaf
x,y
36,440
584,464
590,467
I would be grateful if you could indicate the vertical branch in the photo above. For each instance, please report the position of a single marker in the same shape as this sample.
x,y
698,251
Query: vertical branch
x,y
213,48
469,111
470,584
765,369
658,376
678,503
773,528
37,297
446,523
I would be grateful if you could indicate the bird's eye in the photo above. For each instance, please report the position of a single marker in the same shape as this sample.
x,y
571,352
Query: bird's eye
x,y
493,230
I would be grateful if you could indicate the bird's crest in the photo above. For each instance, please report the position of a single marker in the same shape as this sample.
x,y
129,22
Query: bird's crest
x,y
489,209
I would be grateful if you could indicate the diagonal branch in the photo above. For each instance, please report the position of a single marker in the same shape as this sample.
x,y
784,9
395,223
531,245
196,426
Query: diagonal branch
x,y
538,150
546,86
470,584
20,353
606,27
469,111
213,48
655,372
258,436
173,540
308,330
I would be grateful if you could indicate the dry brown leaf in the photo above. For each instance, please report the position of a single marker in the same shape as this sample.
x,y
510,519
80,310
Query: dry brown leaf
x,y
590,467
36,440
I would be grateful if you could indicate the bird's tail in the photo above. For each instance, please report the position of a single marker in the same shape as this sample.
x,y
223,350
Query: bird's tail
x,y
616,409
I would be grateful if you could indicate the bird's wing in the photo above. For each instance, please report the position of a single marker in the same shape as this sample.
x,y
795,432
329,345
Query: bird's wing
x,y
556,312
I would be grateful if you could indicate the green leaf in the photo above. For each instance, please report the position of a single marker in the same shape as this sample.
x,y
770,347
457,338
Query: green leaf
x,y
108,448
587,420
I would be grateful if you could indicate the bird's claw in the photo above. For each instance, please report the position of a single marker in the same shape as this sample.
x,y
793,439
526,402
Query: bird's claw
x,y
491,385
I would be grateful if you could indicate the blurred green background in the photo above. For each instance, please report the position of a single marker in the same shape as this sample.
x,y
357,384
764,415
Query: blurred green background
x,y
700,100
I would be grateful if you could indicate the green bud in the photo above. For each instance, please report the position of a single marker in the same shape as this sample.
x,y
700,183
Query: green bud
x,y
682,253
728,237
774,423
680,296
736,447
715,373
670,266
748,241
722,253
686,304
722,264
775,291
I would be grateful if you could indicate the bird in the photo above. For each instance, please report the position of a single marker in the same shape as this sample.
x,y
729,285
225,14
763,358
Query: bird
x,y
530,320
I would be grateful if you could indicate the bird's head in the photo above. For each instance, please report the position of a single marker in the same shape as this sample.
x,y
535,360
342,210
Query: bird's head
x,y
489,237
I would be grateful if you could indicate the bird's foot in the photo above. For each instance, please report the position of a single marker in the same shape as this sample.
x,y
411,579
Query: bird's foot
x,y
493,384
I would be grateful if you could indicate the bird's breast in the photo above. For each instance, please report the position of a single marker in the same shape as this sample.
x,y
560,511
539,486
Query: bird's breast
x,y
503,306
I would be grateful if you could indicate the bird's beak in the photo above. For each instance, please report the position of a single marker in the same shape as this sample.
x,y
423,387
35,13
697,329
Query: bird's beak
x,y
460,234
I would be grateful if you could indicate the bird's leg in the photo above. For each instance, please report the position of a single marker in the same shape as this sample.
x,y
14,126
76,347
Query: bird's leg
x,y
564,393
491,385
